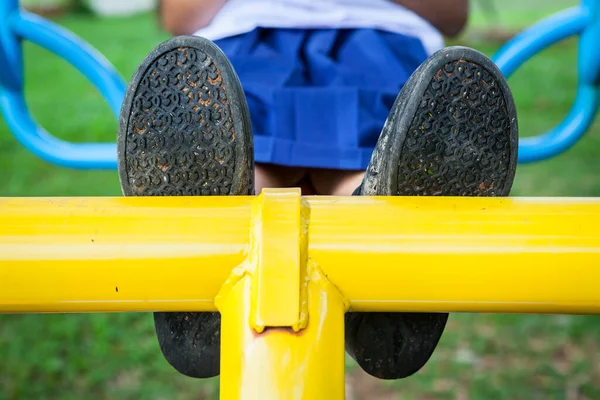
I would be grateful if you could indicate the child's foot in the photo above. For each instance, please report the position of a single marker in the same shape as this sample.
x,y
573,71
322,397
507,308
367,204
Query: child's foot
x,y
185,131
451,132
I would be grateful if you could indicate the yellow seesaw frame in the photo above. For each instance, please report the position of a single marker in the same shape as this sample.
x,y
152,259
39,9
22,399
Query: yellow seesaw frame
x,y
283,269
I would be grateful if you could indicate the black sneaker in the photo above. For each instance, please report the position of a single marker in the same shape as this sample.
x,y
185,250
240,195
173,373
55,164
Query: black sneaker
x,y
451,132
185,130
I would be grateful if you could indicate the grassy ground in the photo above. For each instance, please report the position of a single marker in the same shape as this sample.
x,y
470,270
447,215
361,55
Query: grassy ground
x,y
116,355
514,13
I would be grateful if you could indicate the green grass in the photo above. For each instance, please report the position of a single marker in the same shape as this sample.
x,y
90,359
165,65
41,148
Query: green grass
x,y
116,355
511,14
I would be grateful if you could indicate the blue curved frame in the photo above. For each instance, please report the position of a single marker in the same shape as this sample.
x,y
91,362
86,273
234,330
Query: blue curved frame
x,y
18,25
583,20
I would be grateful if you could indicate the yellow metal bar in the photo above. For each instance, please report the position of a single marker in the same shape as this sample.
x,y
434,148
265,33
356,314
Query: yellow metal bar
x,y
282,321
387,254
518,255
280,363
119,254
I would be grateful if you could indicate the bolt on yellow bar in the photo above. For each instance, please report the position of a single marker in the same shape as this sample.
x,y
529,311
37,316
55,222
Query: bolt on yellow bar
x,y
383,254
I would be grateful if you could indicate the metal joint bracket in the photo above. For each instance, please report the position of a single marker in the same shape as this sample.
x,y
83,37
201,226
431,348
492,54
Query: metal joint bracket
x,y
267,337
279,253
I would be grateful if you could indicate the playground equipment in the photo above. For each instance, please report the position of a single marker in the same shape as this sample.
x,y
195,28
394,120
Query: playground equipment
x,y
17,25
283,269
584,21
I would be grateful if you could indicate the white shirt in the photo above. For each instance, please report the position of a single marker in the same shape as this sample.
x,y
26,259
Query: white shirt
x,y
241,16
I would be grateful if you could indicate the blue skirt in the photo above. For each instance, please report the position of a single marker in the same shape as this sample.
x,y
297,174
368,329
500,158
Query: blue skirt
x,y
319,98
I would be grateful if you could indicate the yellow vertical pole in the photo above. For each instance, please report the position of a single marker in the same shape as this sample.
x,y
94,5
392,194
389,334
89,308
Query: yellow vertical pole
x,y
280,363
296,349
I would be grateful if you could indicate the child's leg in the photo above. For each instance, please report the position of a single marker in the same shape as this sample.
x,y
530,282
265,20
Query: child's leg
x,y
335,182
276,176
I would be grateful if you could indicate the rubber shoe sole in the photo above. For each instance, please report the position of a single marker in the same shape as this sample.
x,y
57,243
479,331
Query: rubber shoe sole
x,y
184,130
451,132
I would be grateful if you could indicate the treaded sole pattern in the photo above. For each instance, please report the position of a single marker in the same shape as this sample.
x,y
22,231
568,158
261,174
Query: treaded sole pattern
x,y
185,131
191,342
452,132
459,142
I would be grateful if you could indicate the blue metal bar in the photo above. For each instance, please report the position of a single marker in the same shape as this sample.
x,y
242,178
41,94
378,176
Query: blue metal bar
x,y
582,20
22,25
545,33
566,134
589,48
49,148
11,60
87,60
